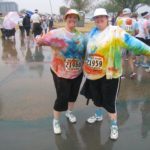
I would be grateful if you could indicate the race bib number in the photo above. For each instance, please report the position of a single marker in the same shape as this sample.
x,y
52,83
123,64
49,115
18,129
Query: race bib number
x,y
72,64
95,62
128,28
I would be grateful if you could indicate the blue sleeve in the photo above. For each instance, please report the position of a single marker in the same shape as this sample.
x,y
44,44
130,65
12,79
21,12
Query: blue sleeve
x,y
135,45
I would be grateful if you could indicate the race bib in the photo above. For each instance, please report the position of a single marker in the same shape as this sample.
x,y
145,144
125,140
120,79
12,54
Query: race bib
x,y
95,62
72,64
128,28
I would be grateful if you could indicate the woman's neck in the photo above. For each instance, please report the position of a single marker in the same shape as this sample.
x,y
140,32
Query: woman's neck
x,y
70,29
103,28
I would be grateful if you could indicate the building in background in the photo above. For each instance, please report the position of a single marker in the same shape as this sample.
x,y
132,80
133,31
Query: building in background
x,y
7,6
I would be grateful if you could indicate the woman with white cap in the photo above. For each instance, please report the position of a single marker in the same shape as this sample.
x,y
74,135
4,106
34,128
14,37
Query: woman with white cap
x,y
103,66
66,65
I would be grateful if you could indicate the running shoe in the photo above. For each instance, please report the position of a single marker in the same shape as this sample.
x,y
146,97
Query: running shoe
x,y
137,64
72,118
94,119
147,70
114,132
132,75
144,65
123,77
56,127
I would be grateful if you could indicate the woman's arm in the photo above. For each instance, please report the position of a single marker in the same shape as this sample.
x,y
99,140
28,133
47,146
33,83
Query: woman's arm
x,y
135,45
52,39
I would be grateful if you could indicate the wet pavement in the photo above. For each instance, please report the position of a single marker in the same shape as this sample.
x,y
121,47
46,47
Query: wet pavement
x,y
27,95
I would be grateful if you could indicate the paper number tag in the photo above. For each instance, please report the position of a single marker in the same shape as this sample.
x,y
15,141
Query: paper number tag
x,y
95,62
72,64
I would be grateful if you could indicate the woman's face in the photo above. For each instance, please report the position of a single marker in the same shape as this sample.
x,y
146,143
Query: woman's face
x,y
71,20
101,22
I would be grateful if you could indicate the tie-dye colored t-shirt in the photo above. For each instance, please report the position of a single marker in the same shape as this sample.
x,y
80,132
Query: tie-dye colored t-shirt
x,y
68,51
103,54
130,25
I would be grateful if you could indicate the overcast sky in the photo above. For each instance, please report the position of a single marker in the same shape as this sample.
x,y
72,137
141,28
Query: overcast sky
x,y
41,5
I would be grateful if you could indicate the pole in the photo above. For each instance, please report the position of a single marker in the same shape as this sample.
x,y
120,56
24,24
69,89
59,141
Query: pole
x,y
50,6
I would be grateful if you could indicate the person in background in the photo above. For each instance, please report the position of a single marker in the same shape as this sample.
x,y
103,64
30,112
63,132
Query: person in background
x,y
118,18
146,16
103,66
129,25
36,21
1,25
20,23
44,24
141,36
113,20
27,24
9,33
51,23
68,50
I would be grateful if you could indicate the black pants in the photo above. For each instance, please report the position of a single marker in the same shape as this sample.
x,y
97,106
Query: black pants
x,y
67,91
103,92
27,29
9,33
37,29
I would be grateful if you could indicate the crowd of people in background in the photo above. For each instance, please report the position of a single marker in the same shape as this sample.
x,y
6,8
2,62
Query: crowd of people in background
x,y
137,25
31,23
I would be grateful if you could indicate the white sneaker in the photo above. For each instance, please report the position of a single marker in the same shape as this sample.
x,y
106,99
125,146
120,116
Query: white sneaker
x,y
94,118
56,127
147,70
114,132
72,118
132,75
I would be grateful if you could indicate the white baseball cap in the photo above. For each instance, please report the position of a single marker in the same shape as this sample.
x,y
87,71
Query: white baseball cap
x,y
72,11
126,11
100,12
